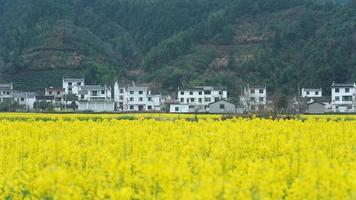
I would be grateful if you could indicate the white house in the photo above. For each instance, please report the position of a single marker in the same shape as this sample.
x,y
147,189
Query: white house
x,y
179,108
140,99
72,85
25,99
254,98
312,92
6,91
343,97
199,97
136,99
94,93
96,106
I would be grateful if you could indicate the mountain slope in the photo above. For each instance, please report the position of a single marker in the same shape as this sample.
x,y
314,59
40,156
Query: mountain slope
x,y
172,43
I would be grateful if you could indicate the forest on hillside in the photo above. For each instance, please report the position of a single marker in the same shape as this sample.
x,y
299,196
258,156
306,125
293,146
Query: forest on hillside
x,y
170,43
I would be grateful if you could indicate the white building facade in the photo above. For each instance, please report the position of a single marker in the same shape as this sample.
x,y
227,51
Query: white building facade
x,y
199,97
312,93
72,85
343,97
134,98
254,98
95,93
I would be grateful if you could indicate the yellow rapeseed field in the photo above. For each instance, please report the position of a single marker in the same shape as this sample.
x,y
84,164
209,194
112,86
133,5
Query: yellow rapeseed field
x,y
176,159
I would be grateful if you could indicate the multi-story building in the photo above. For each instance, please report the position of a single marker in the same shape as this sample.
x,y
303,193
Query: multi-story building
x,y
58,93
343,97
72,85
134,98
94,93
141,99
24,99
312,93
199,97
254,98
6,91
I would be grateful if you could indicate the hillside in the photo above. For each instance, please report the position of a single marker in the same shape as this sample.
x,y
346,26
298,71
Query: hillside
x,y
171,43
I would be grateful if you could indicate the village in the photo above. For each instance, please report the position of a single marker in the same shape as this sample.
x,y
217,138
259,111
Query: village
x,y
76,96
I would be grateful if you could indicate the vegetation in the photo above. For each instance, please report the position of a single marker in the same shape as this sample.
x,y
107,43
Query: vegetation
x,y
148,159
171,43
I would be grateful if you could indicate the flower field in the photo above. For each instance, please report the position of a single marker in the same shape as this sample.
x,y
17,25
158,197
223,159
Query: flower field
x,y
146,158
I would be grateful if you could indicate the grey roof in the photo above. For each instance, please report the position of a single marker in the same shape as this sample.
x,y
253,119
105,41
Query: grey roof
x,y
221,101
67,79
202,88
257,87
343,85
19,94
41,98
311,89
6,86
93,87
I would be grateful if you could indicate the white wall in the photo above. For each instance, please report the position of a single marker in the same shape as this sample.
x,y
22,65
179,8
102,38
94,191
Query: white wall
x,y
182,108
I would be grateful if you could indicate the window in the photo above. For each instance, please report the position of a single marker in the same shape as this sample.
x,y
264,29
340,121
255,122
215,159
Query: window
x,y
140,99
131,92
70,89
221,92
222,106
207,92
261,107
316,93
337,90
131,107
22,99
70,83
192,100
252,91
182,92
347,90
253,108
200,93
94,93
252,98
140,92
79,83
82,96
207,99
261,91
149,98
58,92
121,91
102,91
191,107
349,107
216,99
50,92
182,100
131,99
308,93
121,98
8,93
346,98
149,107
261,99
176,109
190,93
337,98
200,100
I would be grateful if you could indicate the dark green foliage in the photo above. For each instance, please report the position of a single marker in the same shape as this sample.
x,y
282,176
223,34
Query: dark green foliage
x,y
179,43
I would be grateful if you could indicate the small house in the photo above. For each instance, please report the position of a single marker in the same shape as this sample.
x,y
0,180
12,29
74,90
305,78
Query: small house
x,y
222,107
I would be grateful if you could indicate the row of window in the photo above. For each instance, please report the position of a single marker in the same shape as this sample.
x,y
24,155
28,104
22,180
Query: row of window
x,y
78,84
133,92
347,90
253,91
254,98
8,93
200,100
58,92
133,108
206,92
316,93
344,98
